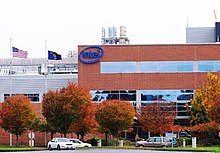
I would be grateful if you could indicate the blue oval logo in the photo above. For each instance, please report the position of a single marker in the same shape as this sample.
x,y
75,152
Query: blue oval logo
x,y
91,54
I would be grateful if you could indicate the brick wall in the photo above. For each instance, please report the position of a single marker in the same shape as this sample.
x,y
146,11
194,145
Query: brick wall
x,y
89,74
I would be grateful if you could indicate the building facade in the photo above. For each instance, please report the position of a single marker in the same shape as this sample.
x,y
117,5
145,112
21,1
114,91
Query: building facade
x,y
144,74
30,78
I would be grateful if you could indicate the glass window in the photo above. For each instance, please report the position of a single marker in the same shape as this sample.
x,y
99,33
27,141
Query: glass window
x,y
158,140
151,139
118,67
217,66
185,66
160,66
166,66
112,97
101,95
148,66
109,67
31,97
127,67
206,66
185,97
128,97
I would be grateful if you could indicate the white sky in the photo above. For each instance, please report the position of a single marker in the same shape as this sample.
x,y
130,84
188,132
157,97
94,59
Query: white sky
x,y
65,24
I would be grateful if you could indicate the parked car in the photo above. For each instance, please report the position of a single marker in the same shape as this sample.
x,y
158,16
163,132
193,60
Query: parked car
x,y
156,142
184,134
60,143
79,143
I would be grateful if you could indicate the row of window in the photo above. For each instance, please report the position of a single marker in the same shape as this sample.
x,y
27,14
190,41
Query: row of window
x,y
167,95
146,95
101,95
179,97
160,66
32,97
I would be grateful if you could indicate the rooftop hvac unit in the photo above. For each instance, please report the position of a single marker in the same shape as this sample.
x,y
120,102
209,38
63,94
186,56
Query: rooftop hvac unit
x,y
122,31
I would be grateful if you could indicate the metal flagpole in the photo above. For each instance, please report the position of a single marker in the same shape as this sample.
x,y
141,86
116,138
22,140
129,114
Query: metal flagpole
x,y
10,80
45,73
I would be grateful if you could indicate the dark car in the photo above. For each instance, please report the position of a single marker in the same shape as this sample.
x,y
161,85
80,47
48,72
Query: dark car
x,y
184,134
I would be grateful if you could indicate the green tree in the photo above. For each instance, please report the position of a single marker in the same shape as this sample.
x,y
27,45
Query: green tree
x,y
115,115
17,115
197,112
63,107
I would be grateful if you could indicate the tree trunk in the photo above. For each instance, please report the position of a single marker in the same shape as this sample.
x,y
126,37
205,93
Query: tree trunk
x,y
106,137
16,139
64,135
77,135
82,136
51,135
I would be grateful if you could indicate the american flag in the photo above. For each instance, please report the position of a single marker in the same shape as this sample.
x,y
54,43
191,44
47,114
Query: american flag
x,y
19,53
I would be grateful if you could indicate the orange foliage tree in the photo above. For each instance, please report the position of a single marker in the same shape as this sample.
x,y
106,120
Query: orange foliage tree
x,y
210,126
157,117
205,106
17,115
115,115
63,107
214,112
86,122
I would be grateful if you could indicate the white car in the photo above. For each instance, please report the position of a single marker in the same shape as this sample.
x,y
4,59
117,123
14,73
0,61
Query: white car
x,y
60,143
79,143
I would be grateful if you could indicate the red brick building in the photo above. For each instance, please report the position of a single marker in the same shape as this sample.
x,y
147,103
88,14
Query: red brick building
x,y
142,74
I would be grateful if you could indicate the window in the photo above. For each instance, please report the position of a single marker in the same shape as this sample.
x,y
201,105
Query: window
x,y
148,66
101,95
118,67
206,66
160,66
158,140
186,66
32,97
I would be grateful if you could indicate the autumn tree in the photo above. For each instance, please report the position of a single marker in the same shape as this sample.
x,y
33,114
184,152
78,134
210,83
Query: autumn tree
x,y
215,111
86,122
115,115
157,117
197,112
46,127
63,107
205,108
205,104
17,115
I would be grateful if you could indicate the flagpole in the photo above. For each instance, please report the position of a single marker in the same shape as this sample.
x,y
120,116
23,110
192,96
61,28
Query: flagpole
x,y
45,66
45,73
10,81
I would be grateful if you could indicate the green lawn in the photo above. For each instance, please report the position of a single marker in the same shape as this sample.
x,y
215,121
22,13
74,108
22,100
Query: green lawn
x,y
214,149
19,148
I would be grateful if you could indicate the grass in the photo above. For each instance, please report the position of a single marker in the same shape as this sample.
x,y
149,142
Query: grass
x,y
19,148
25,148
205,149
212,149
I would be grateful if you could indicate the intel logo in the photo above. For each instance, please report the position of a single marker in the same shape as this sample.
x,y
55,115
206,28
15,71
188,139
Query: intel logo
x,y
91,54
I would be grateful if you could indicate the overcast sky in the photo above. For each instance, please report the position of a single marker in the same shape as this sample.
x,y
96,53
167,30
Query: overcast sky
x,y
65,24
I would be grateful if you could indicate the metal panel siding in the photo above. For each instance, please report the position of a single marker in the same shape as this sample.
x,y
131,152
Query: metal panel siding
x,y
27,84
200,35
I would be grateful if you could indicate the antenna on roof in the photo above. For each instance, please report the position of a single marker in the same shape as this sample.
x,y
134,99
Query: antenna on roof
x,y
215,13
